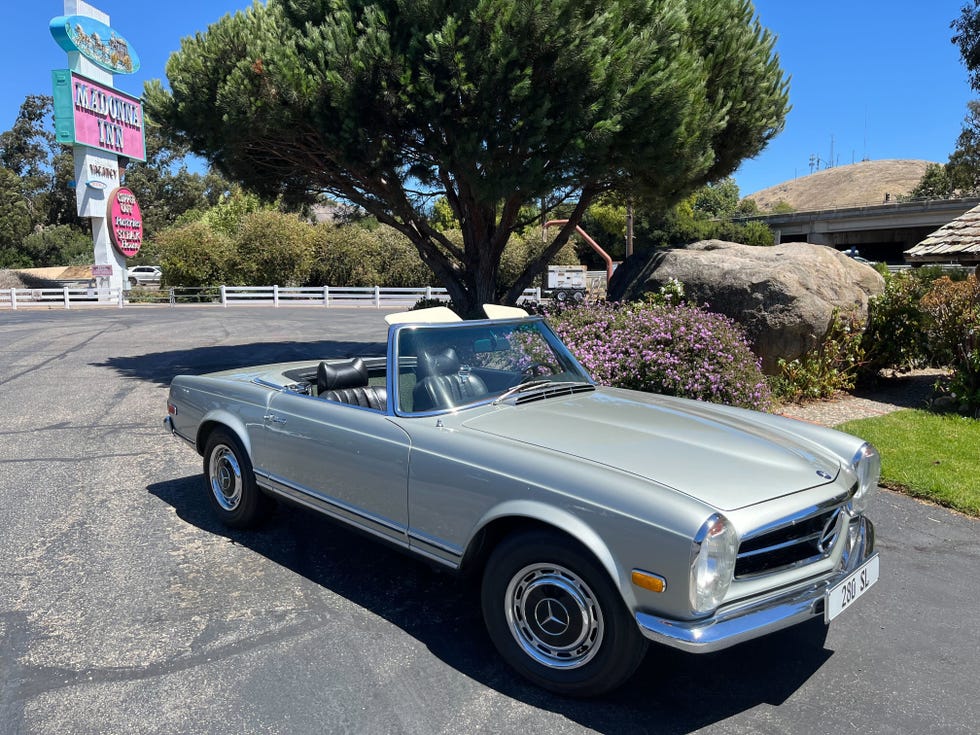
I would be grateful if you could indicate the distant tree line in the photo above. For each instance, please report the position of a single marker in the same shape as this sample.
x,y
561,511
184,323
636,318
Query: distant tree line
x,y
205,231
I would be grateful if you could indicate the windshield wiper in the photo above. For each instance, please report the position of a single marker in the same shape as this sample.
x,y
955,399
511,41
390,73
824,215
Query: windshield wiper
x,y
533,385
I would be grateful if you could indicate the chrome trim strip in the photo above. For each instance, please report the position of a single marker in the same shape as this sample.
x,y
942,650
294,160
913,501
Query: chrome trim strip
x,y
759,616
434,547
803,515
335,508
777,547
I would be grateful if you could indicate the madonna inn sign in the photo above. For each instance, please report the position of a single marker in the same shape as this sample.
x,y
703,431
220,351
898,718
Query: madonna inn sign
x,y
105,128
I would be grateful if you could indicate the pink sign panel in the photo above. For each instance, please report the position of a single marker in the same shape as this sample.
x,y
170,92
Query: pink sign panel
x,y
125,222
101,117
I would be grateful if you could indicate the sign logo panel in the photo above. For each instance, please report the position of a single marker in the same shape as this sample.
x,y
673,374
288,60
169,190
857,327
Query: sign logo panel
x,y
96,41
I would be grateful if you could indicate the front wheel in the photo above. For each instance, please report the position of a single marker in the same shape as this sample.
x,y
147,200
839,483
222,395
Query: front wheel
x,y
231,486
555,616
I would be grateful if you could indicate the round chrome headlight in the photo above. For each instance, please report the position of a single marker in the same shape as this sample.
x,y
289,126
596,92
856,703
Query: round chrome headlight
x,y
867,466
712,563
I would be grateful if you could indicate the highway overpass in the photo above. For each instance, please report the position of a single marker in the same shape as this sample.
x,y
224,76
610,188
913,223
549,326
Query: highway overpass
x,y
879,232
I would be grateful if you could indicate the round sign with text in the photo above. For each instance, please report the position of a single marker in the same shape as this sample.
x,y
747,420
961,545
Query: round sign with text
x,y
125,221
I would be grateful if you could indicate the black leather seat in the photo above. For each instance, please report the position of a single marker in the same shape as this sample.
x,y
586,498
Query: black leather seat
x,y
347,382
441,382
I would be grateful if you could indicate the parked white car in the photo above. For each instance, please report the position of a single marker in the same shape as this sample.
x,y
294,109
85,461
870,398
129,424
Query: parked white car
x,y
144,275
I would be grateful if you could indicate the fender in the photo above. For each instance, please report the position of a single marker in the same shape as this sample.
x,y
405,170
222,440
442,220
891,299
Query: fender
x,y
563,521
225,418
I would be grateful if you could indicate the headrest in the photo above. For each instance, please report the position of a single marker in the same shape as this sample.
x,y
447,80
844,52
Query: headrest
x,y
339,375
445,362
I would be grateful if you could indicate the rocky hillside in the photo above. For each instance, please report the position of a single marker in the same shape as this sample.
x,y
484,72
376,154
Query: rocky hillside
x,y
858,184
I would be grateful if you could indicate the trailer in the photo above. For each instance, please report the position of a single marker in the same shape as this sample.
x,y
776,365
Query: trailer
x,y
567,282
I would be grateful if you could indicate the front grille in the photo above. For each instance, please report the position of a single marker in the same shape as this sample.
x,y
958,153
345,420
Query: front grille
x,y
801,541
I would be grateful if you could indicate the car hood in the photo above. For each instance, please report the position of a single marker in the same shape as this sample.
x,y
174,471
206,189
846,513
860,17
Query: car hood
x,y
728,461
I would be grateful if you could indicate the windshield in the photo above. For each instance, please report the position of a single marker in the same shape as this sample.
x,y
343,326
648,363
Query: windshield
x,y
441,367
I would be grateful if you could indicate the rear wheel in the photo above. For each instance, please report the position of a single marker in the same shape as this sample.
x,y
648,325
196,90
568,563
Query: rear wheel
x,y
232,490
556,617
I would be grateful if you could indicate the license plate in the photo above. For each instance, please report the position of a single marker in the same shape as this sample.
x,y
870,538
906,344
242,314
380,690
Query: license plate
x,y
842,595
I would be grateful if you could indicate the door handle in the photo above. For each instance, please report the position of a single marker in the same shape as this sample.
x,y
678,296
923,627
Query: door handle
x,y
274,419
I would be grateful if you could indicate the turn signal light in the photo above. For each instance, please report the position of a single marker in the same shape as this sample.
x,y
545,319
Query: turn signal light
x,y
648,581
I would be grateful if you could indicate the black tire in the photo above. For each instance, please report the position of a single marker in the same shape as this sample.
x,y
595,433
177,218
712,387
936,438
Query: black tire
x,y
561,296
230,482
133,282
578,297
555,616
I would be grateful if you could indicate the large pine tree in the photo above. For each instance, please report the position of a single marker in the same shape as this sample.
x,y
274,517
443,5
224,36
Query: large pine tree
x,y
493,104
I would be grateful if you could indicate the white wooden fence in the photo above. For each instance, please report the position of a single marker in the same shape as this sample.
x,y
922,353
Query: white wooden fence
x,y
371,296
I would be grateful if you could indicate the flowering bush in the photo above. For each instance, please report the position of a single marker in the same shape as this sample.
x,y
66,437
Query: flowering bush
x,y
679,350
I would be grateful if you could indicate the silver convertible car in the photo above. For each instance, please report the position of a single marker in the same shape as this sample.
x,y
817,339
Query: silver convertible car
x,y
598,519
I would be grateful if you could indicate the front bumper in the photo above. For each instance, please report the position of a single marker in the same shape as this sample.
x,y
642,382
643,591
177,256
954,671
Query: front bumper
x,y
759,616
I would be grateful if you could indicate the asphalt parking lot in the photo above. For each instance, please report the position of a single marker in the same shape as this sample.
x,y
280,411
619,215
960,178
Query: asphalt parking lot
x,y
124,607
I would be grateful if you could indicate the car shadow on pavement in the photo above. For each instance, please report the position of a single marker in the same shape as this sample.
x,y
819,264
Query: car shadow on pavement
x,y
672,692
161,367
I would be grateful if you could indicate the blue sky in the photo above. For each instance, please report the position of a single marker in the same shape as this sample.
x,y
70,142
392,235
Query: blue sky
x,y
869,78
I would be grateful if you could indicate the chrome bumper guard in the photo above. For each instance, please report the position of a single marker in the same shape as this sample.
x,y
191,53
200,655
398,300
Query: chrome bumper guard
x,y
748,619
168,423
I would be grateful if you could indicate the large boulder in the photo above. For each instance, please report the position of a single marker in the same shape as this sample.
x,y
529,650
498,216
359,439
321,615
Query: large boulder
x,y
784,295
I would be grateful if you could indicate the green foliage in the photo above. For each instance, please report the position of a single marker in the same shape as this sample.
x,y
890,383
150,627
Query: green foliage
x,y
194,255
58,245
272,248
927,455
782,207
15,220
934,184
894,335
831,368
967,39
496,106
707,214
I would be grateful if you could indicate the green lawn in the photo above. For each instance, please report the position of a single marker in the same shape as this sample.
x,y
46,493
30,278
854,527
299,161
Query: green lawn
x,y
927,455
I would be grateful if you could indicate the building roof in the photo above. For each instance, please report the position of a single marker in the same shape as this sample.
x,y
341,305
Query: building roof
x,y
958,240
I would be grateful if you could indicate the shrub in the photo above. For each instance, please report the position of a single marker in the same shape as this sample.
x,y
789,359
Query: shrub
x,y
677,350
193,255
830,368
952,310
894,335
272,248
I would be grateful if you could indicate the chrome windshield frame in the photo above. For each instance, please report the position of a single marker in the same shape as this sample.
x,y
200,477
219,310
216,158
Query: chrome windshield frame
x,y
394,365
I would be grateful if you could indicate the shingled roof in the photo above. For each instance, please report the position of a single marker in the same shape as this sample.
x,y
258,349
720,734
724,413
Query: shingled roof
x,y
956,241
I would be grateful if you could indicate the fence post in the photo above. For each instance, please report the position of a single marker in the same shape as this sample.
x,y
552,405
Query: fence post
x,y
275,296
13,298
428,294
67,302
224,296
326,295
173,296
122,297
377,296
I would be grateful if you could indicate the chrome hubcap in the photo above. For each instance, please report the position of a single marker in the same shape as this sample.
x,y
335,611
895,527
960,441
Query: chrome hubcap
x,y
226,477
553,616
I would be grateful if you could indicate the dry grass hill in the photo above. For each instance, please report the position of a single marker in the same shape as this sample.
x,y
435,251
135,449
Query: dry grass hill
x,y
858,184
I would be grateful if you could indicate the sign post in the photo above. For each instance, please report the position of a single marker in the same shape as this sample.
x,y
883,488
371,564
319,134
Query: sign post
x,y
102,124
